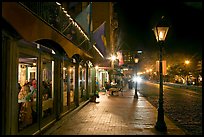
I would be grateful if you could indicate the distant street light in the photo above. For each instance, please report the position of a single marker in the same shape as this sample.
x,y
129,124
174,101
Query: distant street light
x,y
136,60
187,62
160,32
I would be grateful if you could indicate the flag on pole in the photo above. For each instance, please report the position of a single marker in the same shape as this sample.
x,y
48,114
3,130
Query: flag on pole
x,y
100,38
164,72
120,57
84,19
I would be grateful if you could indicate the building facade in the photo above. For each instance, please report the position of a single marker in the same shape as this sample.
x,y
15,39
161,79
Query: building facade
x,y
49,67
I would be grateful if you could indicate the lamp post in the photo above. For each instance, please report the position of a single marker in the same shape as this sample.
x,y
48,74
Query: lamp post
x,y
136,59
160,32
187,62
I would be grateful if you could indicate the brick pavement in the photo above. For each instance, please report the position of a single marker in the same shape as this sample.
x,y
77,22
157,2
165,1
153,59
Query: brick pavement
x,y
114,115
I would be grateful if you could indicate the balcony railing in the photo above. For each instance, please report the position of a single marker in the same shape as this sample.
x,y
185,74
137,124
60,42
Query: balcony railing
x,y
59,19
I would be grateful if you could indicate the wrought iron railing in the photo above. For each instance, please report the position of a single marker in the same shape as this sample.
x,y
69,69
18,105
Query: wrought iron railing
x,y
56,17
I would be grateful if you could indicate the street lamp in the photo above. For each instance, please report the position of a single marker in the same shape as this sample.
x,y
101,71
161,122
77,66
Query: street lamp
x,y
187,62
112,58
160,32
136,59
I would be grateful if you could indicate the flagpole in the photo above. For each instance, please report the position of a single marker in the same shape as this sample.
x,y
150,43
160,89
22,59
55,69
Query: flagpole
x,y
90,19
91,27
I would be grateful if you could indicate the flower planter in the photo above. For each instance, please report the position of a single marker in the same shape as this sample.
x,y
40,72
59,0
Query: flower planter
x,y
94,96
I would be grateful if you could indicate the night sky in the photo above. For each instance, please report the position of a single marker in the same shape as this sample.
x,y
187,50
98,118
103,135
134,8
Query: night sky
x,y
136,20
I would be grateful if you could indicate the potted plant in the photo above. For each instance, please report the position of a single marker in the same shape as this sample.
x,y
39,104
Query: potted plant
x,y
94,96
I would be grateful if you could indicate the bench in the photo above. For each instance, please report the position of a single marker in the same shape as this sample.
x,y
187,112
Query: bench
x,y
115,89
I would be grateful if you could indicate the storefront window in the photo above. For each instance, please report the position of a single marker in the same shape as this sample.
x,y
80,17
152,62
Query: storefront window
x,y
27,86
65,86
47,87
72,81
35,86
82,89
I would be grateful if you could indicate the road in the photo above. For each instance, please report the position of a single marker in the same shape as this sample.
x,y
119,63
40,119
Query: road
x,y
183,106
